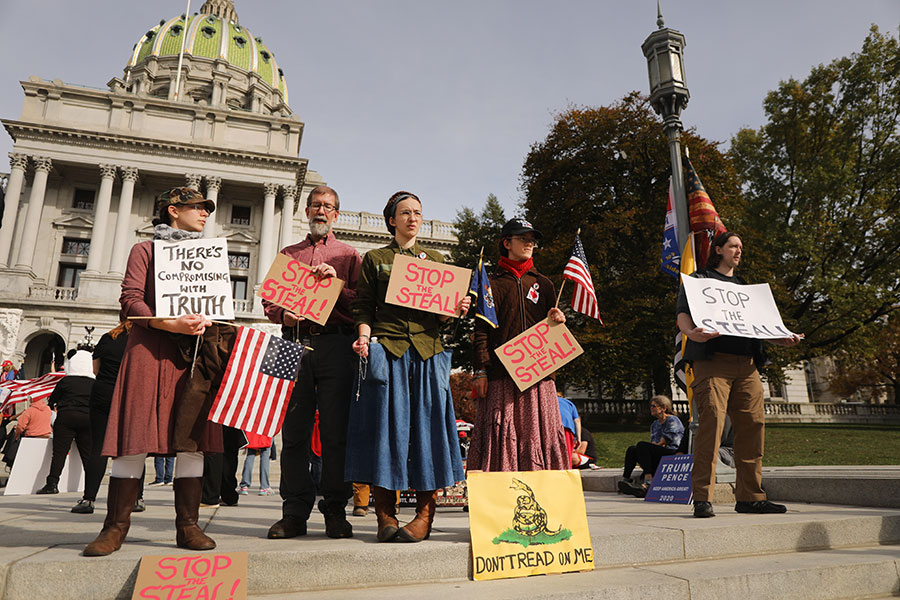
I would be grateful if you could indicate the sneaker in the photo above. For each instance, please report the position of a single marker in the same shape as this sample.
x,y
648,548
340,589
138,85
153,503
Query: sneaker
x,y
167,483
703,509
205,505
139,505
761,507
156,483
84,507
244,490
265,491
360,511
48,489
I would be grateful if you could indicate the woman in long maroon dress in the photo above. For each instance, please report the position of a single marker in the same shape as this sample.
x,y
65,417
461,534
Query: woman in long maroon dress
x,y
151,380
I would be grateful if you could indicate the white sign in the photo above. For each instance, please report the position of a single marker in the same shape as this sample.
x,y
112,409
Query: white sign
x,y
731,309
29,472
192,278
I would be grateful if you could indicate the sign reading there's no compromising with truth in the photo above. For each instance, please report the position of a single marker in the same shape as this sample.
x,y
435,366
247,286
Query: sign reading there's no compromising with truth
x,y
192,278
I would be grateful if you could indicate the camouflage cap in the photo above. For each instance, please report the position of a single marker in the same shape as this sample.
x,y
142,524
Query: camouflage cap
x,y
183,195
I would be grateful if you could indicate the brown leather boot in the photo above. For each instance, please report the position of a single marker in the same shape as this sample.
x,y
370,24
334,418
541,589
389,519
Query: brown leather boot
x,y
123,493
420,528
187,510
386,513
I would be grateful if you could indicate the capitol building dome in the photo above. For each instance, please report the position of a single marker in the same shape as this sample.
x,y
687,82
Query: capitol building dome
x,y
224,64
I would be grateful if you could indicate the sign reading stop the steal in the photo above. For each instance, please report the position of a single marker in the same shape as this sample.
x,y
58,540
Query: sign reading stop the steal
x,y
427,285
291,284
207,576
537,352
732,309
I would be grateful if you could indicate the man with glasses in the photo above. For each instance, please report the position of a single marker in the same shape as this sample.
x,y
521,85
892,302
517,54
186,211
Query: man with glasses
x,y
325,382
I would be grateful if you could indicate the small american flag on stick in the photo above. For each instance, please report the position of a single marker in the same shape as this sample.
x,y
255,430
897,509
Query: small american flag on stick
x,y
258,382
584,298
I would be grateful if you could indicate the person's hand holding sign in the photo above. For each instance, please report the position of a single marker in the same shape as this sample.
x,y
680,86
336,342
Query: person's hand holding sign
x,y
323,271
698,334
462,308
788,341
557,315
185,324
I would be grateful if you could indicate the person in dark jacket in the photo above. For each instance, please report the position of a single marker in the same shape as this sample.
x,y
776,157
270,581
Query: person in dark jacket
x,y
71,398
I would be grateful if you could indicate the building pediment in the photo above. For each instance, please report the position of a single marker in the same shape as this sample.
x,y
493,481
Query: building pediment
x,y
240,236
74,222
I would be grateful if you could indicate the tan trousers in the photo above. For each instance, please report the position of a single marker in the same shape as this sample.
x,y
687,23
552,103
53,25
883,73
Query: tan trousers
x,y
361,495
729,384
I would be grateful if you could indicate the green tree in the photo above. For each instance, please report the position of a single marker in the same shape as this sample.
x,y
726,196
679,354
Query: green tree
x,y
874,365
821,183
474,232
606,171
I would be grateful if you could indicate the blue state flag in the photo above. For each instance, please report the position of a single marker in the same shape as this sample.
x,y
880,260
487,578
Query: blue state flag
x,y
671,257
484,297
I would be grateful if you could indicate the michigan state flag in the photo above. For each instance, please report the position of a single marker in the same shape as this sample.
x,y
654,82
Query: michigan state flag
x,y
484,298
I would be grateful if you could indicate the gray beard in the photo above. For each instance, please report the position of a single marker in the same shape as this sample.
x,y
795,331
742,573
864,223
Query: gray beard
x,y
319,230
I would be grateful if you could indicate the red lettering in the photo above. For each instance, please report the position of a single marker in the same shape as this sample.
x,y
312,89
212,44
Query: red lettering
x,y
185,590
542,362
202,561
171,570
411,268
290,271
220,562
403,295
542,329
535,340
447,277
512,351
523,374
268,288
436,299
144,593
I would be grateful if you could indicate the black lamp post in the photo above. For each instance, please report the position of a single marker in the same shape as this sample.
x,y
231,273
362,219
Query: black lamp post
x,y
664,50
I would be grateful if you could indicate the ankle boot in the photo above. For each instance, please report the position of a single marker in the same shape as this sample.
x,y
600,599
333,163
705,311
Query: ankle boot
x,y
119,503
187,510
420,528
386,513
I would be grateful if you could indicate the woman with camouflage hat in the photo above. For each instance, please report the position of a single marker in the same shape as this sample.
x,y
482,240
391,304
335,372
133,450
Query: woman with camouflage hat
x,y
151,380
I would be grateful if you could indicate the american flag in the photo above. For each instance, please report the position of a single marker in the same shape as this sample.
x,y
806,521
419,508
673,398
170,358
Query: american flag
x,y
584,298
15,391
258,382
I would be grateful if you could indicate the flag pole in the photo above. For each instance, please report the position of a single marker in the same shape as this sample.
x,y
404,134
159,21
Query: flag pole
x,y
563,284
187,13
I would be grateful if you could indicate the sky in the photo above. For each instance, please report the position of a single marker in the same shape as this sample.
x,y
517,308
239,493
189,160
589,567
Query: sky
x,y
445,99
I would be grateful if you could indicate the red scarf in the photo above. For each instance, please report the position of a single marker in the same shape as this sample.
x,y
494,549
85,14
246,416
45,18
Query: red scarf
x,y
516,267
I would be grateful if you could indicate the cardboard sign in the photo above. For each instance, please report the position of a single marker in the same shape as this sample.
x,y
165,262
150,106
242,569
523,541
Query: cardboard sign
x,y
32,465
538,352
291,285
192,278
527,523
207,576
731,309
427,285
672,480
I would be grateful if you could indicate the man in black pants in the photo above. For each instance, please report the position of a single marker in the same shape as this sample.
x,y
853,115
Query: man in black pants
x,y
325,382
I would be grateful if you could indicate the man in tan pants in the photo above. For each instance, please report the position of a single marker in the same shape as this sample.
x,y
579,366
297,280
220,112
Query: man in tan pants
x,y
726,380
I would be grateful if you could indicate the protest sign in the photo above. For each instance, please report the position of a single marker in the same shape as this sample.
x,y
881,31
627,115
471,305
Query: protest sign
x,y
290,284
207,576
538,352
732,309
672,480
527,523
192,277
427,285
32,465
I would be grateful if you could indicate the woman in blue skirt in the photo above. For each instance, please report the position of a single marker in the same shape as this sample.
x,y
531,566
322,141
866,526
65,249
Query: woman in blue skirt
x,y
402,429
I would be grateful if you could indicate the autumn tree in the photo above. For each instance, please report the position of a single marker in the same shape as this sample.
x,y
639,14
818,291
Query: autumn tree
x,y
821,184
874,365
605,170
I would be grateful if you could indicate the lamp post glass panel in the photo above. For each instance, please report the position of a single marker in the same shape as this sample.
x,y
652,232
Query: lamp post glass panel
x,y
664,51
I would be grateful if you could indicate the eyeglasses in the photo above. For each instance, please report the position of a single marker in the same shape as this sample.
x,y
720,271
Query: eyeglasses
x,y
409,213
196,206
526,241
328,208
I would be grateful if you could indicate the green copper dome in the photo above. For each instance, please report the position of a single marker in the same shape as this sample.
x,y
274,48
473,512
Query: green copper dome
x,y
214,33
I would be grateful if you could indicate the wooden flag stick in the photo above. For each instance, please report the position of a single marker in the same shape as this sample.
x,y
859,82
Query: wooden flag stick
x,y
198,337
563,284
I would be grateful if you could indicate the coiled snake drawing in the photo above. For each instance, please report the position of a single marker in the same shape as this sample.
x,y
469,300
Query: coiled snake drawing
x,y
529,518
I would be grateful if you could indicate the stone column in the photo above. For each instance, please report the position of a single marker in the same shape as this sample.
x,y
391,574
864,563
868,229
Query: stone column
x,y
192,180
42,166
213,185
17,165
101,217
267,233
122,237
287,215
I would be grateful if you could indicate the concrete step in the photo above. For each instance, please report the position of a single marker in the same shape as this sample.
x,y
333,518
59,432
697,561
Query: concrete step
x,y
857,486
868,572
42,541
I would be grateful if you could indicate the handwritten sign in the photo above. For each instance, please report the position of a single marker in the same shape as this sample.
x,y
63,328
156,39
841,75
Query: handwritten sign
x,y
731,309
537,352
527,523
290,284
206,576
672,480
427,285
192,278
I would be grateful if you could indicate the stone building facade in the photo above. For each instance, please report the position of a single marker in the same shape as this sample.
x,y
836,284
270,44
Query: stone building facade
x,y
87,165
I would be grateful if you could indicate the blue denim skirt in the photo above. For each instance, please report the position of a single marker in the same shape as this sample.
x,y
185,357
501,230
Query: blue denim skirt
x,y
402,429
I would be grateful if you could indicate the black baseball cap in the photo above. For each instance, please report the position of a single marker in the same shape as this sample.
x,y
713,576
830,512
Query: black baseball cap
x,y
519,227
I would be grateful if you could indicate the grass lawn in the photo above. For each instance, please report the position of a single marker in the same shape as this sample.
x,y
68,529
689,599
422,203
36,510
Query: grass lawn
x,y
786,445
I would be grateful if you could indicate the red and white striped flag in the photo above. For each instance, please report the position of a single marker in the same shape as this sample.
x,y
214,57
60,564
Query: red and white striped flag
x,y
584,298
15,391
257,383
